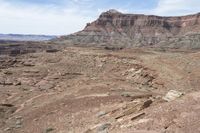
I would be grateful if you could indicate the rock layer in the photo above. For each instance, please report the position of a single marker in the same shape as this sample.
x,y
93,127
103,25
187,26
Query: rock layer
x,y
128,30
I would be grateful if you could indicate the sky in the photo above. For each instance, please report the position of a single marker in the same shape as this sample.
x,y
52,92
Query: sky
x,y
62,17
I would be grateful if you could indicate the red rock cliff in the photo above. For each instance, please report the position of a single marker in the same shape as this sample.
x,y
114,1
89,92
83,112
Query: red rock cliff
x,y
116,28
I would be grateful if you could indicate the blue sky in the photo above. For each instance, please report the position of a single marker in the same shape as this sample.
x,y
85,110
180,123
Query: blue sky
x,y
61,17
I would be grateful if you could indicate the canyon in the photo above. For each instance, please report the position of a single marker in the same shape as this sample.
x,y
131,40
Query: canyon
x,y
121,73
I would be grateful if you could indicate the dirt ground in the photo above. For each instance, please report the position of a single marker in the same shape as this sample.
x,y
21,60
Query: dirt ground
x,y
93,90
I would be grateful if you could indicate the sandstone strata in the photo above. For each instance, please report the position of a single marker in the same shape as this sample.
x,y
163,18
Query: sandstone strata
x,y
130,30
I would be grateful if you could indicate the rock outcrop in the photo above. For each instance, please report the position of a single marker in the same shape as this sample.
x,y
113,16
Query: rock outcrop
x,y
14,48
130,30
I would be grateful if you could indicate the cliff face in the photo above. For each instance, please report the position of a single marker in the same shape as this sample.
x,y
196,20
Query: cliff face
x,y
118,29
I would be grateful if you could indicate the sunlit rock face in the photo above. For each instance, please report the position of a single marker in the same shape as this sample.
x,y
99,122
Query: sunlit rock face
x,y
129,30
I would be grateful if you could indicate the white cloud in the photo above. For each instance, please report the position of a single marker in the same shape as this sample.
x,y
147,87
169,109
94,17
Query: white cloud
x,y
49,19
40,19
176,7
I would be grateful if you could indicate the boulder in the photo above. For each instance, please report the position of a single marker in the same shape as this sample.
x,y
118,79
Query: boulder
x,y
103,127
172,95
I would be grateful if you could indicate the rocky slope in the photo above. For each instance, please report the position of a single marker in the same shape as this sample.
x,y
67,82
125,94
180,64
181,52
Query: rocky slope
x,y
92,90
127,30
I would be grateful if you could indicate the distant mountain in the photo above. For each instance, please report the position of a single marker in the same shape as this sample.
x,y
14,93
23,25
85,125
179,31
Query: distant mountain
x,y
114,28
21,37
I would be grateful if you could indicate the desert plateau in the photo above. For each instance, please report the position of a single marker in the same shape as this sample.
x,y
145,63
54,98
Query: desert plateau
x,y
123,73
